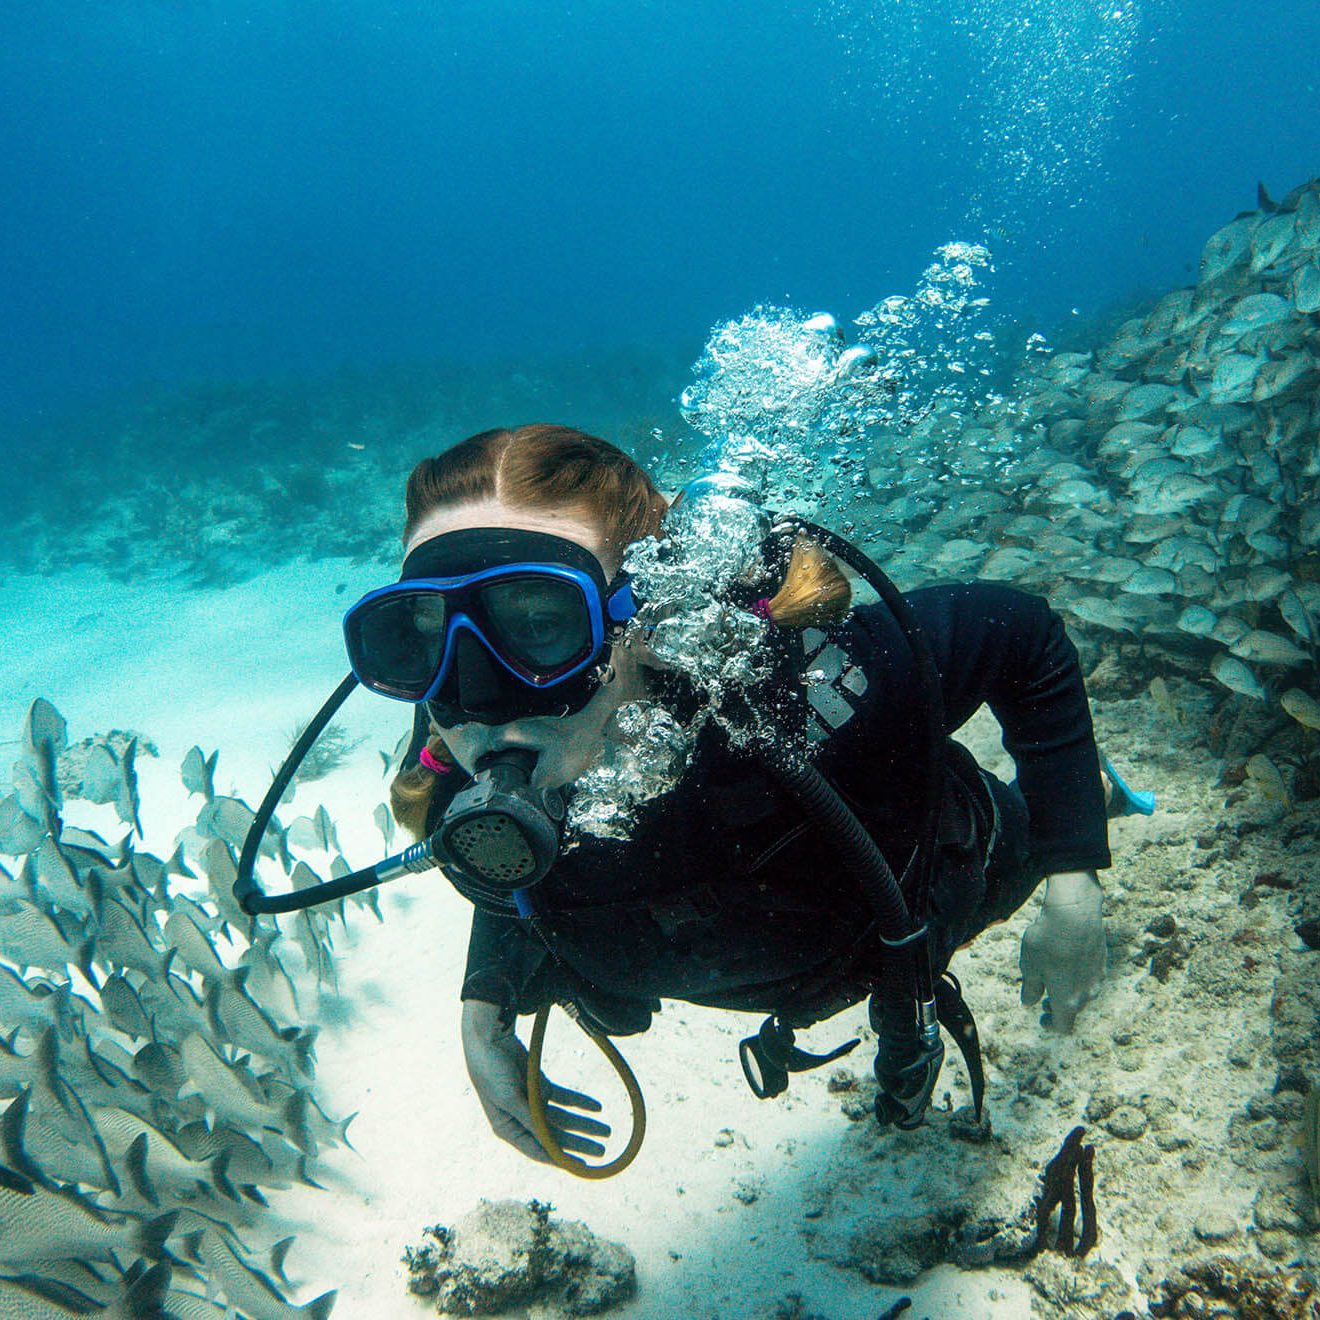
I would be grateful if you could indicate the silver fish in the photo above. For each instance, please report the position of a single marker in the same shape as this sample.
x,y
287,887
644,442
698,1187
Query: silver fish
x,y
1302,706
1304,288
1269,780
53,941
1197,620
1228,247
1269,241
158,1161
231,1094
198,772
39,1222
1235,676
20,833
235,1017
194,946
140,1296
1267,648
251,1290
38,1005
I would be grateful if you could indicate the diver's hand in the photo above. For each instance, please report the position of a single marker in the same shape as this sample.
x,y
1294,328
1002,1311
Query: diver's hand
x,y
497,1065
1063,950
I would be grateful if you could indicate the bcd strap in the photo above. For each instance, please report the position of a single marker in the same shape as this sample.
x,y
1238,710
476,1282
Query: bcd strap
x,y
956,1018
768,1057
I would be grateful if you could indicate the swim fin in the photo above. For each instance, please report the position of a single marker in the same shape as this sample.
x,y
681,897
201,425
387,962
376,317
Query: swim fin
x,y
1125,801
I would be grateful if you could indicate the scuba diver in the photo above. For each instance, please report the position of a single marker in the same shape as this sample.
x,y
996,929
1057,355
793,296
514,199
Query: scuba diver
x,y
842,857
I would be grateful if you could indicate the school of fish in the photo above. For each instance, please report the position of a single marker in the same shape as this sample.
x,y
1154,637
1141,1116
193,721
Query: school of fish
x,y
154,1085
1163,486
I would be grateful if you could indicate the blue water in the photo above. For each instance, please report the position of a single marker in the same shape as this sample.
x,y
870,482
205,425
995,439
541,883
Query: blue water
x,y
222,190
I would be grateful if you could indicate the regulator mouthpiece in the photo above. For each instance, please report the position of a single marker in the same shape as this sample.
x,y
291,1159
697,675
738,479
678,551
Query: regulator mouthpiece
x,y
499,832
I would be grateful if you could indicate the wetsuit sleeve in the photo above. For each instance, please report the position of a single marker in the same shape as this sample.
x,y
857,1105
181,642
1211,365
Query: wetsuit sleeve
x,y
1007,649
504,958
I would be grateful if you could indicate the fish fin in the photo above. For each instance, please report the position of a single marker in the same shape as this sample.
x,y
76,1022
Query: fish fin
x,y
277,1256
99,1065
135,1161
320,1308
144,1299
1264,201
305,1176
304,1050
14,1181
220,1177
298,1127
178,864
86,950
342,1129
190,1244
154,1234
96,892
13,1126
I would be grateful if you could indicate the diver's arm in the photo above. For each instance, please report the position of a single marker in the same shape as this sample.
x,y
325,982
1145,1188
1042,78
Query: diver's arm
x,y
1008,649
503,955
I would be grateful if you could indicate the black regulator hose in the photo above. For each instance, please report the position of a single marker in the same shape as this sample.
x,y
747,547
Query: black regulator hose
x,y
928,675
864,861
420,857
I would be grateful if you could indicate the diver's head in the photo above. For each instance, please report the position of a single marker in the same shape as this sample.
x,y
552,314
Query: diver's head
x,y
511,582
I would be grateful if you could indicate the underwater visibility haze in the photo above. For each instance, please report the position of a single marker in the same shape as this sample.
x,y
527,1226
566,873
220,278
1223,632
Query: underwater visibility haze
x,y
1011,292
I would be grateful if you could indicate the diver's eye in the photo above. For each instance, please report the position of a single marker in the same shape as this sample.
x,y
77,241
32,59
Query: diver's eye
x,y
429,615
542,621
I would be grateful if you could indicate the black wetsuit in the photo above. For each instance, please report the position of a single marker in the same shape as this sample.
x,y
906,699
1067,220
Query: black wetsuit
x,y
724,895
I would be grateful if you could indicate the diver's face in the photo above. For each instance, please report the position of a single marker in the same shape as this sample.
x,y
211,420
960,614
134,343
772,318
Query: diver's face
x,y
567,745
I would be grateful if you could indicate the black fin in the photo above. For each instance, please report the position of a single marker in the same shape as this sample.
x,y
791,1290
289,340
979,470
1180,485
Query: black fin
x,y
12,1129
1263,199
135,1161
304,1176
145,1298
15,1182
154,1234
220,1176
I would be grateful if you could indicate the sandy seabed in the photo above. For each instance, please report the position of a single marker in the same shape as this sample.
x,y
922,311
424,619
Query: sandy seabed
x,y
734,1204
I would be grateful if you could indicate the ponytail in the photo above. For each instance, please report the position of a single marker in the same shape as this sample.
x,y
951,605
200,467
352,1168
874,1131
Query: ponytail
x,y
814,593
413,787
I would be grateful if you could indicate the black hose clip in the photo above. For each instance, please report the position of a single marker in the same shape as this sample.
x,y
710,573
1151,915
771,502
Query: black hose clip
x,y
768,1057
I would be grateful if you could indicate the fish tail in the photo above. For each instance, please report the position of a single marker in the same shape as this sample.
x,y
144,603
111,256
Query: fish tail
x,y
342,1128
144,1299
320,1307
154,1234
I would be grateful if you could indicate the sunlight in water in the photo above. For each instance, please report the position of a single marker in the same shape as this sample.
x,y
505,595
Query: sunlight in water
x,y
1043,82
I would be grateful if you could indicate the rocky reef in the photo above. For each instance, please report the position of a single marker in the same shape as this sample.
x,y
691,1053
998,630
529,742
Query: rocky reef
x,y
507,1254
